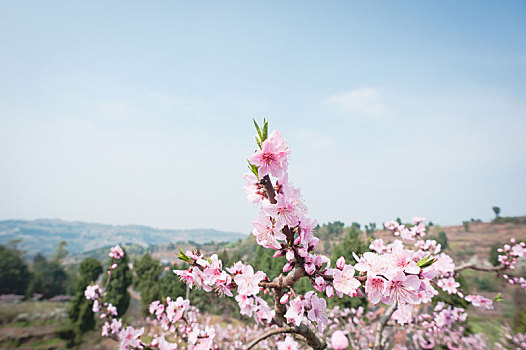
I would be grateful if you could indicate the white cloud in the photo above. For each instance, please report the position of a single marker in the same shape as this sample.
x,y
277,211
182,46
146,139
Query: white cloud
x,y
365,101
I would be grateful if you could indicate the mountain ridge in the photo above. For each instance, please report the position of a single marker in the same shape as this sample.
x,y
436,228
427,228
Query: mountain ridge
x,y
42,235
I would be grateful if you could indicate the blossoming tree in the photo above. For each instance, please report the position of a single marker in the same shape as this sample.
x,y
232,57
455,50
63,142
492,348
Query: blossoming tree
x,y
403,277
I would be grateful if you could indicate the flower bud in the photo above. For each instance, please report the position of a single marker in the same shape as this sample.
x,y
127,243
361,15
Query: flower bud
x,y
289,255
278,253
329,291
340,263
288,266
310,268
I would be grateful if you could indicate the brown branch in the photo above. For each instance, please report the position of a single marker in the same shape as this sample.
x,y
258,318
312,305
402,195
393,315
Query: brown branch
x,y
269,189
471,266
269,334
378,344
280,283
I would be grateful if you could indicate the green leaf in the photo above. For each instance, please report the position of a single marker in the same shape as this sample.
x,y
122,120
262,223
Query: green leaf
x,y
426,262
498,298
257,128
253,168
265,130
183,256
258,142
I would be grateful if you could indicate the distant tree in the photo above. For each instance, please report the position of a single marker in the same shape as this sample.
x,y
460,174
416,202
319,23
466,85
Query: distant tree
x,y
146,280
14,273
442,239
60,252
170,285
370,229
49,278
496,210
466,225
80,313
121,279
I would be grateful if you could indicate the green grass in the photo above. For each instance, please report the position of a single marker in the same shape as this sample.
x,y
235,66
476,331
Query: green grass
x,y
49,343
491,327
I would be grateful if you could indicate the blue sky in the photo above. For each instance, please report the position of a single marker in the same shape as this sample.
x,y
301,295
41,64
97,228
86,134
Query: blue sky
x,y
139,112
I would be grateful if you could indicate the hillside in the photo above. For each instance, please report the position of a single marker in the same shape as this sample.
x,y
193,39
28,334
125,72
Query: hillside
x,y
43,235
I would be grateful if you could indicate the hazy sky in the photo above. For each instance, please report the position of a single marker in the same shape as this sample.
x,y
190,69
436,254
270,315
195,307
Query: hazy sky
x,y
140,112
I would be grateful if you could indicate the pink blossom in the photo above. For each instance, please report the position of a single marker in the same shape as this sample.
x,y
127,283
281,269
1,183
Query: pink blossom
x,y
339,341
403,313
92,292
377,245
253,188
116,252
402,288
115,326
480,301
403,258
295,313
287,344
340,263
375,287
448,285
163,344
344,280
318,312
129,338
266,234
272,157
247,282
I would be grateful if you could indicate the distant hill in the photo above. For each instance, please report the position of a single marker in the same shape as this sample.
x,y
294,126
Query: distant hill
x,y
43,235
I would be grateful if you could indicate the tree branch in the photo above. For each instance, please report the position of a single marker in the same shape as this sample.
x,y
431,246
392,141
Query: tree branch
x,y
381,325
467,266
269,334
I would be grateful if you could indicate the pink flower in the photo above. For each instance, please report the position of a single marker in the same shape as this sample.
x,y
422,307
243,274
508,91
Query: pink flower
x,y
448,285
175,309
246,305
287,344
377,245
318,312
115,326
402,288
247,282
92,292
287,211
253,188
163,344
339,341
480,301
403,258
344,280
265,233
129,337
403,313
272,157
375,287
295,312
116,252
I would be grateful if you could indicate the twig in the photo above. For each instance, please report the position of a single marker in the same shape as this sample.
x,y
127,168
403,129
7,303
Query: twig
x,y
472,266
381,325
269,334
